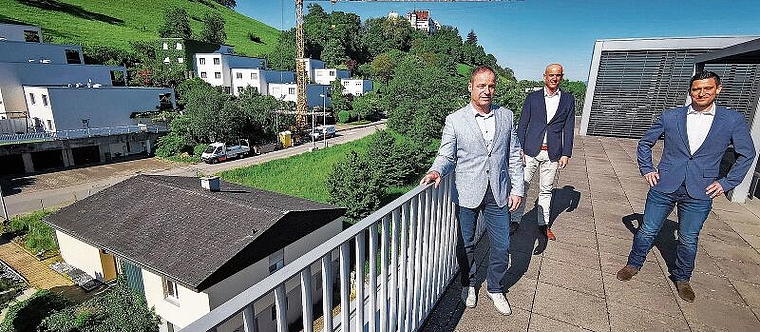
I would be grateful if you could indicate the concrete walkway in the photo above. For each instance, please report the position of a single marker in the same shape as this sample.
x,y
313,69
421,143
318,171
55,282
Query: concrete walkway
x,y
570,284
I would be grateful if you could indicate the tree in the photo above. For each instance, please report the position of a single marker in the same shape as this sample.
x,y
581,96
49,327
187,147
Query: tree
x,y
338,100
384,34
284,53
213,28
355,184
367,105
471,38
227,3
119,309
578,89
28,314
176,24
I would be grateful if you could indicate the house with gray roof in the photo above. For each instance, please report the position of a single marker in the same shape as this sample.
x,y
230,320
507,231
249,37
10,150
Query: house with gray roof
x,y
189,249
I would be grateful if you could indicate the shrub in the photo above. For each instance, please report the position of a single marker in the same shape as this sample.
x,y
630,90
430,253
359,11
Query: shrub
x,y
254,38
198,150
28,314
120,309
38,237
171,145
344,116
355,185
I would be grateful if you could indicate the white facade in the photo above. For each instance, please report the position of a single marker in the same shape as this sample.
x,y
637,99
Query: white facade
x,y
420,20
62,108
215,68
20,33
186,305
259,79
328,75
312,65
356,87
287,92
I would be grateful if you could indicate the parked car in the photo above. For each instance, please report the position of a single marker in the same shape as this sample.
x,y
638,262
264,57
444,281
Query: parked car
x,y
320,132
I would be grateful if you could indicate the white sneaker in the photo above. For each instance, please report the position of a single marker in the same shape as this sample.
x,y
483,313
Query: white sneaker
x,y
501,303
469,297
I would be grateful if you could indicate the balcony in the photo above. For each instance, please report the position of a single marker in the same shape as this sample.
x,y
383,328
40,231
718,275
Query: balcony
x,y
564,285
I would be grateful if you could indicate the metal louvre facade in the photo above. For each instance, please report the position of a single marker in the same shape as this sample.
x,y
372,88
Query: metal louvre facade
x,y
741,87
634,87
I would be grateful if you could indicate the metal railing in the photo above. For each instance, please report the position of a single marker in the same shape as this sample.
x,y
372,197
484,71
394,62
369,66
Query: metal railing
x,y
414,238
81,133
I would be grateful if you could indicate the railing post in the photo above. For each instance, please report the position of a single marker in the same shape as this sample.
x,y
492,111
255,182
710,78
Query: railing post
x,y
384,276
418,272
426,252
249,319
280,302
306,300
360,282
327,287
373,277
403,264
393,310
345,288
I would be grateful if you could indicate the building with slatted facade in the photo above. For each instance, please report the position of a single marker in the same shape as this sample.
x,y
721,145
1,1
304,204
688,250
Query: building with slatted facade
x,y
632,81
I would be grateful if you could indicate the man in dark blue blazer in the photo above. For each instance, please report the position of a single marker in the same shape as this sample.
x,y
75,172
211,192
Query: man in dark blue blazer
x,y
696,137
546,132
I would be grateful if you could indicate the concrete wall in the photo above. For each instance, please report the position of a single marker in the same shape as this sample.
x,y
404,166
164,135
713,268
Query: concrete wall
x,y
13,76
102,107
15,32
81,255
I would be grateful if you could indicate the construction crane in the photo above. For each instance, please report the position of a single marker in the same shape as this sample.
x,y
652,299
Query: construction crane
x,y
302,79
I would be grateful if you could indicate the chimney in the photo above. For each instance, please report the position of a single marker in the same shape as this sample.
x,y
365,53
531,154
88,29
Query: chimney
x,y
210,183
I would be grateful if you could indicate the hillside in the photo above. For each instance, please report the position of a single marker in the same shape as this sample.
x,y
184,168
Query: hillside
x,y
116,23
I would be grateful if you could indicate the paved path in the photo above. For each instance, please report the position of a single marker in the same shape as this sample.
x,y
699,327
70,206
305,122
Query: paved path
x,y
61,188
570,284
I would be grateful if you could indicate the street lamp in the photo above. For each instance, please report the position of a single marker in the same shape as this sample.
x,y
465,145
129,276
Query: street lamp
x,y
324,117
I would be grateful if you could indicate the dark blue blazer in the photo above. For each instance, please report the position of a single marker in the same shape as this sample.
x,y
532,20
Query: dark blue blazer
x,y
559,131
678,165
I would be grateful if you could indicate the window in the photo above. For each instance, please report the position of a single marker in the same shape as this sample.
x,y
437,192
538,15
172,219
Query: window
x,y
217,61
203,74
166,46
72,57
292,91
31,99
50,125
276,261
181,60
239,89
201,61
217,75
169,327
170,289
44,100
238,75
166,60
179,46
31,36
165,101
332,73
254,76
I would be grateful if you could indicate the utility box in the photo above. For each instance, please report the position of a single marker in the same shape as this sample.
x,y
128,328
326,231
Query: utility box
x,y
286,139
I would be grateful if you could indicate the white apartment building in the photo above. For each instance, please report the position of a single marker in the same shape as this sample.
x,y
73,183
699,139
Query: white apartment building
x,y
326,76
314,93
54,108
356,87
259,79
216,68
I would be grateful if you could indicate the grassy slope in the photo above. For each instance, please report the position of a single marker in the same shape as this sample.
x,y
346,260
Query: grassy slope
x,y
115,23
302,176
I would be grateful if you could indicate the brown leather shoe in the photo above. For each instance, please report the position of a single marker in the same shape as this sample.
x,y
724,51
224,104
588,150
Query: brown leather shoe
x,y
513,228
550,235
627,272
685,291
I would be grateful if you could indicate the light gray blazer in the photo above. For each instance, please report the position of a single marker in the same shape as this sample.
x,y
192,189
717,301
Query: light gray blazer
x,y
464,151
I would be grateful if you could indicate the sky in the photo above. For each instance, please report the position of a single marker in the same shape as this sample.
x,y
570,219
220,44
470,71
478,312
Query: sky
x,y
527,35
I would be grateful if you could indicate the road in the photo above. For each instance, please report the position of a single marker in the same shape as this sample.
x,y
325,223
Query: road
x,y
65,187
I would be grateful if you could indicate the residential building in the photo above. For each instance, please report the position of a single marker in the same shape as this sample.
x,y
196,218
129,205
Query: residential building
x,y
356,87
188,249
421,20
180,51
311,65
216,68
20,33
326,76
54,108
632,81
287,92
259,79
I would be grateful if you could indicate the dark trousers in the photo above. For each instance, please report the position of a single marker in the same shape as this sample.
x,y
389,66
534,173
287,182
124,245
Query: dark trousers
x,y
497,225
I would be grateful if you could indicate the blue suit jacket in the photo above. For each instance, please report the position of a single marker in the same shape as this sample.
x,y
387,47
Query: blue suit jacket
x,y
678,165
559,130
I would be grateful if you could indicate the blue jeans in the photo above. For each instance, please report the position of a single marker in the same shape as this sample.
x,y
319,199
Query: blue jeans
x,y
497,226
692,214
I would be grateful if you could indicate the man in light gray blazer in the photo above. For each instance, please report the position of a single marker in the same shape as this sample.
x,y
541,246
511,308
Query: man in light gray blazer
x,y
480,146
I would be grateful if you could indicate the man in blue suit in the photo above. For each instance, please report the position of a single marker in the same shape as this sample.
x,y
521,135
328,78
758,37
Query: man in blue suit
x,y
546,133
479,145
696,137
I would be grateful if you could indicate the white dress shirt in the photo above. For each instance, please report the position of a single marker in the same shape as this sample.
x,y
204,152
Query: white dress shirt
x,y
698,125
487,124
552,104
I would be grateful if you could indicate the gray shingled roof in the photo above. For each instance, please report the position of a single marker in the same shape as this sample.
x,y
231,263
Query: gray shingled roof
x,y
173,227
